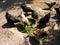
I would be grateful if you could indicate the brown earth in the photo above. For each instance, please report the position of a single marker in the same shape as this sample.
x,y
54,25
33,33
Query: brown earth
x,y
10,35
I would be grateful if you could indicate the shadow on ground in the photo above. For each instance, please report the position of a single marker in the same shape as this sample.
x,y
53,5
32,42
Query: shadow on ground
x,y
57,18
4,4
56,40
33,41
7,26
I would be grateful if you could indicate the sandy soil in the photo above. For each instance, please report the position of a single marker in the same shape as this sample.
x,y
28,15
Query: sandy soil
x,y
10,35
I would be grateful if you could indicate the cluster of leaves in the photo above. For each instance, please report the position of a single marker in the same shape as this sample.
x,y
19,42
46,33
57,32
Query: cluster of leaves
x,y
29,30
25,29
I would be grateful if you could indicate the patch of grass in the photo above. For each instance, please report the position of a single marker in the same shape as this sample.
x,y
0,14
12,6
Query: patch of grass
x,y
26,29
29,30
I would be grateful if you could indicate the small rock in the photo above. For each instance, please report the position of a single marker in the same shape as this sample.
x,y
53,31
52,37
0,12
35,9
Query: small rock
x,y
56,27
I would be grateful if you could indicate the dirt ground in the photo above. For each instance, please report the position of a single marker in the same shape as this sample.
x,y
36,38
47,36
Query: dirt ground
x,y
10,35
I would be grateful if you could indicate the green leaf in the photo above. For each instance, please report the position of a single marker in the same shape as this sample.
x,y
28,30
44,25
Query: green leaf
x,y
18,17
29,30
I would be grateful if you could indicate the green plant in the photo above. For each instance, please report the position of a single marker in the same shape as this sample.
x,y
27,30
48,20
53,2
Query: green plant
x,y
18,17
25,29
21,27
32,21
29,30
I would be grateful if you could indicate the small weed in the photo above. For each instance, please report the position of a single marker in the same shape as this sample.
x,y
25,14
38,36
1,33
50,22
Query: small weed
x,y
18,17
25,29
29,30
